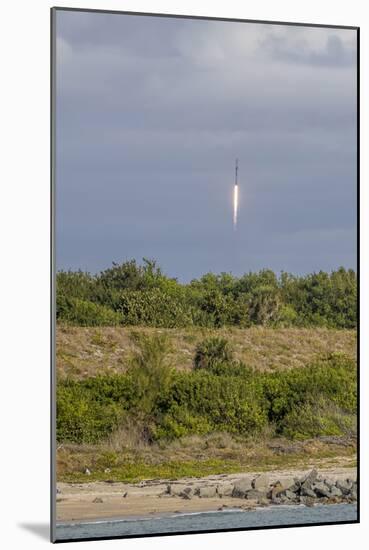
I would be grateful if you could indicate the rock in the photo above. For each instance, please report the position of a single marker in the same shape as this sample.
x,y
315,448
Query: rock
x,y
263,501
107,470
344,486
187,493
254,494
241,487
125,495
261,482
289,483
311,478
329,483
275,490
321,490
58,491
178,489
335,491
290,495
209,491
307,500
280,487
307,492
87,472
334,500
225,489
98,500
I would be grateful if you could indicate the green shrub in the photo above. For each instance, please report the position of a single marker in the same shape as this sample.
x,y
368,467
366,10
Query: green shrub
x,y
319,399
179,422
226,403
85,313
143,295
154,307
81,419
150,369
317,418
211,352
290,396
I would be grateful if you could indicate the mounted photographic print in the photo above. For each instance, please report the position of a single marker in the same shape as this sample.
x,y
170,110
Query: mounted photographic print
x,y
204,183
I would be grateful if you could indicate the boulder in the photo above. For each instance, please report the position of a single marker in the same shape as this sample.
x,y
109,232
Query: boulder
x,y
208,491
344,486
309,479
261,482
186,493
241,487
87,472
177,489
276,490
329,483
290,494
225,489
334,500
254,494
98,500
280,487
307,492
321,490
307,501
335,491
289,483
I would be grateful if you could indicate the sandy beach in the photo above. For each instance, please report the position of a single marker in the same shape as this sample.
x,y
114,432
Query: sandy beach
x,y
103,500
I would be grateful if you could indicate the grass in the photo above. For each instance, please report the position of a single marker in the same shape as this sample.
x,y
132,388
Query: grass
x,y
87,351
198,457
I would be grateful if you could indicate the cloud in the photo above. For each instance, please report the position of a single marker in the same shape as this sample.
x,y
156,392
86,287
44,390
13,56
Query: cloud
x,y
333,51
151,113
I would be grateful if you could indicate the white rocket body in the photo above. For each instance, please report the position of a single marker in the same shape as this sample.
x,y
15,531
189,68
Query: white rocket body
x,y
235,197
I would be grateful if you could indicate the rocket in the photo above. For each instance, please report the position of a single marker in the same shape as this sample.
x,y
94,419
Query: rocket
x,y
235,197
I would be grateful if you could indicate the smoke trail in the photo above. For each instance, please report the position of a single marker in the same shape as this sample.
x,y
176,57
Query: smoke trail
x,y
235,206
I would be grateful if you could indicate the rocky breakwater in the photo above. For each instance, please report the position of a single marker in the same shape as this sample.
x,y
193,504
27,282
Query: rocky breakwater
x,y
308,490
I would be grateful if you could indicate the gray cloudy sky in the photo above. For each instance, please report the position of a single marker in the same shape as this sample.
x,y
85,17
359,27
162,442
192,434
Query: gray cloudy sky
x,y
151,113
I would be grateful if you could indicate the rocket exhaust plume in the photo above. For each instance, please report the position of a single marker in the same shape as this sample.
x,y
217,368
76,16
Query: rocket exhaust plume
x,y
235,197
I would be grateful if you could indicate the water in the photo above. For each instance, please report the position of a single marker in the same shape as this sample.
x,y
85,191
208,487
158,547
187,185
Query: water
x,y
230,519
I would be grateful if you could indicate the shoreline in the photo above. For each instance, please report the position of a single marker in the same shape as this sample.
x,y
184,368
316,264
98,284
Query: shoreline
x,y
174,515
104,501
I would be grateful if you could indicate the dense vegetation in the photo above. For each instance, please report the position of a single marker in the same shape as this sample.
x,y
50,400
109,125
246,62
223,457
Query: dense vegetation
x,y
141,295
160,403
